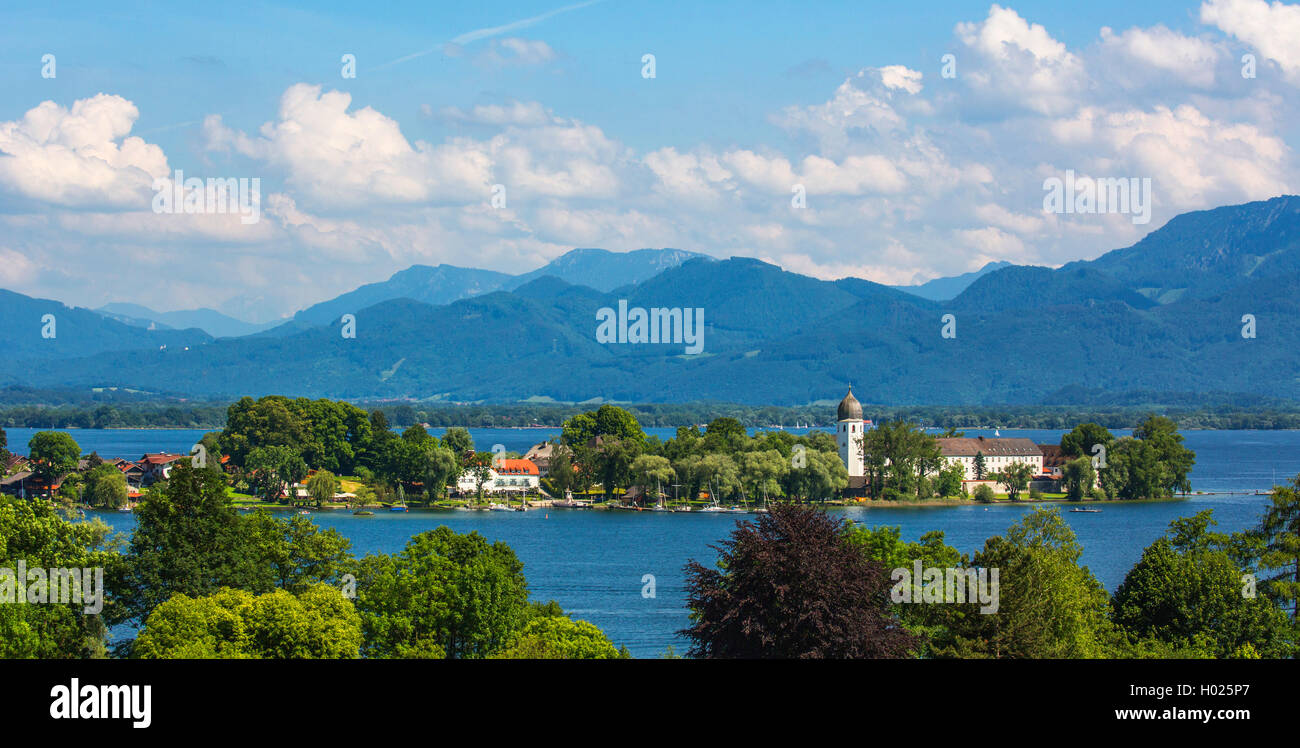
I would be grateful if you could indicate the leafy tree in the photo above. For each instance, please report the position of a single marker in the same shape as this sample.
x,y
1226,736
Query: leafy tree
x,y
53,454
1081,440
479,466
1279,530
1080,477
1048,605
653,470
983,494
1015,478
792,585
1175,461
235,624
949,482
4,444
296,552
187,540
33,531
1187,591
608,421
274,469
106,487
559,638
980,467
322,486
445,594
458,440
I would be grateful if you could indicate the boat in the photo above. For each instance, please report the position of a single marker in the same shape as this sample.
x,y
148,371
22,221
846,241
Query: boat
x,y
397,508
303,511
681,509
1080,509
499,508
733,509
711,508
126,509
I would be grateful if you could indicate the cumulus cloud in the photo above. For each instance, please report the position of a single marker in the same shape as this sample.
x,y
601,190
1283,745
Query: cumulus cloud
x,y
1271,28
79,156
354,158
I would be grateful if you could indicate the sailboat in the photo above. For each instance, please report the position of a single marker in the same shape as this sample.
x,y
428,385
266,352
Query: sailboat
x,y
659,505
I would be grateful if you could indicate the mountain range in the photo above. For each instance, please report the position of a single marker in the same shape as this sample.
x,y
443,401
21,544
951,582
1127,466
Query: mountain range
x,y
1173,313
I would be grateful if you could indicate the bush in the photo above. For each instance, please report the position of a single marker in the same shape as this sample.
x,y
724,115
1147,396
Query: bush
x,y
1035,494
983,494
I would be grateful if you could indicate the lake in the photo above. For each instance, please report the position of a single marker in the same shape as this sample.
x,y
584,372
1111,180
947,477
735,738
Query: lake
x,y
592,562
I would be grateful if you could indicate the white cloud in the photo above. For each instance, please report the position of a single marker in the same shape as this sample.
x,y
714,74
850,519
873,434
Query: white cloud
x,y
344,158
1271,28
83,156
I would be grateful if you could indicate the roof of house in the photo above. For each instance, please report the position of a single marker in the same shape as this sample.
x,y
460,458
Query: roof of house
x,y
16,478
1052,455
543,451
989,447
159,458
516,467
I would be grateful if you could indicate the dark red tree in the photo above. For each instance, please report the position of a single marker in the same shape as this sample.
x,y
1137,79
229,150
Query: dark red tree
x,y
791,586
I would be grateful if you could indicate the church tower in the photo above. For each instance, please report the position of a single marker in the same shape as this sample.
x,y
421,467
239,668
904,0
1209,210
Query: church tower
x,y
848,435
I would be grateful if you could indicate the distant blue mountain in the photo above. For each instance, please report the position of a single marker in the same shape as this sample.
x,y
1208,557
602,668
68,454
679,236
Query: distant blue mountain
x,y
597,268
943,289
212,322
1165,315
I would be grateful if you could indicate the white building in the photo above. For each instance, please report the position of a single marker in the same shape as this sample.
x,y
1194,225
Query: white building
x,y
848,434
505,476
999,453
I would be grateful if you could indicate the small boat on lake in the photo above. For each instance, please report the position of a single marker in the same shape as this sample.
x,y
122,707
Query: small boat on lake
x,y
397,508
1080,509
499,508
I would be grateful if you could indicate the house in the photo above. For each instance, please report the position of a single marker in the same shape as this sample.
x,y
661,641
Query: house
x,y
1053,460
156,466
999,453
541,456
134,473
18,484
505,476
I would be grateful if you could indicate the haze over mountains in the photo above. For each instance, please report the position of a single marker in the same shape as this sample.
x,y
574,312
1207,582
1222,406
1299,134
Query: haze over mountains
x,y
1165,315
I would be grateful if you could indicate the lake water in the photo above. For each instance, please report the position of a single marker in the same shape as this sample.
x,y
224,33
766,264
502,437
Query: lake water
x,y
592,562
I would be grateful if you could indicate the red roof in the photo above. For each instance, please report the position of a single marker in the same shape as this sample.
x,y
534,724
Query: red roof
x,y
516,467
161,458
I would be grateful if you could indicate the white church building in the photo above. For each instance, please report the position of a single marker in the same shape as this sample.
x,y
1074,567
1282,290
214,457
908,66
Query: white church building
x,y
997,453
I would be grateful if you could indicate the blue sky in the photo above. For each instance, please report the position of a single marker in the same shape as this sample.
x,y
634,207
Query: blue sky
x,y
908,175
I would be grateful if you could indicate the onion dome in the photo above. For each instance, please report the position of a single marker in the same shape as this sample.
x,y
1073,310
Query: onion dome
x,y
850,409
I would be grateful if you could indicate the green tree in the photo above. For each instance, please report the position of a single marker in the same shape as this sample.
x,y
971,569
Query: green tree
x,y
274,469
981,467
1187,591
1048,605
235,624
458,440
1084,438
983,494
322,486
106,487
653,471
187,540
445,594
34,532
295,552
559,638
1015,478
1279,531
1080,477
53,454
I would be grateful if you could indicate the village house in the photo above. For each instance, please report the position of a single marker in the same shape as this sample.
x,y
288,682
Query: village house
x,y
505,476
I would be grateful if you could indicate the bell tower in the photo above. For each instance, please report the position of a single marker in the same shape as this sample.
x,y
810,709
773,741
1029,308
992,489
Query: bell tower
x,y
848,433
